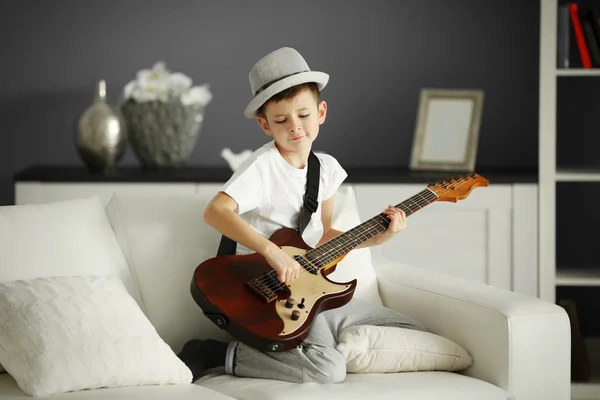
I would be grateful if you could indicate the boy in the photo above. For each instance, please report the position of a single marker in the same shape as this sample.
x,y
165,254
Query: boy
x,y
266,194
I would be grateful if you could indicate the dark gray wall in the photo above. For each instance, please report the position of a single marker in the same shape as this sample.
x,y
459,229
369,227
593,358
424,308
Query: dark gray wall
x,y
379,54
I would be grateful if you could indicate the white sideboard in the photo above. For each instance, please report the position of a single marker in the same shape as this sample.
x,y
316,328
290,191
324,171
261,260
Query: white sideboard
x,y
489,237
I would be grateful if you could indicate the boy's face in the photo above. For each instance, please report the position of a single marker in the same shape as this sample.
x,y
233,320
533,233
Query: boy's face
x,y
294,124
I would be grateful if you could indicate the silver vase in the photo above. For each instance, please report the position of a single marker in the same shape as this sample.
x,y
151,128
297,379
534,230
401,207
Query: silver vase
x,y
101,134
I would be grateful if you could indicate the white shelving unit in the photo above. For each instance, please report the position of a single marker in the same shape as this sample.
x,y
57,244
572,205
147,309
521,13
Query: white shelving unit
x,y
577,175
577,277
577,72
551,275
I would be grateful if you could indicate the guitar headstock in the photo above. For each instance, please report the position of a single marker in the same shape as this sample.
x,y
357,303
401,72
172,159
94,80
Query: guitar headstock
x,y
455,189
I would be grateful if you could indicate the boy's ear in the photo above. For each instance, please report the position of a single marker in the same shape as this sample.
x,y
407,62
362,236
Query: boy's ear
x,y
264,125
322,112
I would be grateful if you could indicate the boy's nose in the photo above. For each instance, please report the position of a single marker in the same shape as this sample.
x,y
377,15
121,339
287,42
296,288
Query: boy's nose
x,y
295,126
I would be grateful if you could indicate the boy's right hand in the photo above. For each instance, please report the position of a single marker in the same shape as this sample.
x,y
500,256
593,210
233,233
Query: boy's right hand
x,y
286,267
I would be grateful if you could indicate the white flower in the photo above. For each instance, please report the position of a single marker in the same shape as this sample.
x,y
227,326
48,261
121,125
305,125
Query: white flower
x,y
198,95
142,96
160,84
160,89
179,83
150,93
158,73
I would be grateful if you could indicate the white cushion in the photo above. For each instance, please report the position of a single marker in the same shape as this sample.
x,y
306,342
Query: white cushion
x,y
9,390
61,238
384,349
165,238
435,385
357,264
70,333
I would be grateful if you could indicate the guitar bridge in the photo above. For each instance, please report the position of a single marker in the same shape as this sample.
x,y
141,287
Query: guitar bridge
x,y
263,288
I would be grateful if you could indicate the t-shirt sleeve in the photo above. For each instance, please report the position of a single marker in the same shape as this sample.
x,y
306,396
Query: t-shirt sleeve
x,y
246,186
336,175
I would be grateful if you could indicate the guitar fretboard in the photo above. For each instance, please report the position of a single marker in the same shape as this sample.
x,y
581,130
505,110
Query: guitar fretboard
x,y
336,247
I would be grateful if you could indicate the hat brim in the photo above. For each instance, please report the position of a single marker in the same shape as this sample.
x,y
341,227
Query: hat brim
x,y
320,78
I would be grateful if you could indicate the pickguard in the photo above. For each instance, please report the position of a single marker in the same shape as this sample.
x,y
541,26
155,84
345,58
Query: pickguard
x,y
309,287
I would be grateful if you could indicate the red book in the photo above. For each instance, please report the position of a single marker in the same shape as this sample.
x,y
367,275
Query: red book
x,y
583,50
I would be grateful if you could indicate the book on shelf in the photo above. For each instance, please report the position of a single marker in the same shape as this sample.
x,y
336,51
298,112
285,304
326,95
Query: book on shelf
x,y
578,35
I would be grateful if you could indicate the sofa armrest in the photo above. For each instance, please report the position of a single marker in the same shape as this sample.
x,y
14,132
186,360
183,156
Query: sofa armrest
x,y
518,343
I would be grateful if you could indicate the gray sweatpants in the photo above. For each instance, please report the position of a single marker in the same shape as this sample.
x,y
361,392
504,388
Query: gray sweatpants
x,y
317,359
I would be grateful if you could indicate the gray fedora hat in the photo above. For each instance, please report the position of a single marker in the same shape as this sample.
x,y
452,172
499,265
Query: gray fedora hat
x,y
277,71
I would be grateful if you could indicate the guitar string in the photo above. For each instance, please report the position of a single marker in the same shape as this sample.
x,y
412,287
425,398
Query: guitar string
x,y
269,279
427,194
271,276
327,255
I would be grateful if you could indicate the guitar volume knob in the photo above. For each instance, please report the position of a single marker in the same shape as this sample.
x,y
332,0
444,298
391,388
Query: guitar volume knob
x,y
295,315
290,303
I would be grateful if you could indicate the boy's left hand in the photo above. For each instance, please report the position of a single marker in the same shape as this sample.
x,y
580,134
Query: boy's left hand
x,y
397,219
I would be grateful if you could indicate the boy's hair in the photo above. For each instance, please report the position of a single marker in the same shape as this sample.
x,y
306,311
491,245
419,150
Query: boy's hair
x,y
290,93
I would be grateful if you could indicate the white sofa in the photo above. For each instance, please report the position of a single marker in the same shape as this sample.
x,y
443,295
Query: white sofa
x,y
520,345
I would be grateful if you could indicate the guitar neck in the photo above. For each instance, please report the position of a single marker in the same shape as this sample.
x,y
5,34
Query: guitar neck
x,y
345,242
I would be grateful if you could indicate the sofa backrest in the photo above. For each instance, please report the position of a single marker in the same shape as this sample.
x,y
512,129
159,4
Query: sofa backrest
x,y
63,238
164,238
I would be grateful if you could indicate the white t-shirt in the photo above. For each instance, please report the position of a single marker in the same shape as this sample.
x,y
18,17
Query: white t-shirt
x,y
270,192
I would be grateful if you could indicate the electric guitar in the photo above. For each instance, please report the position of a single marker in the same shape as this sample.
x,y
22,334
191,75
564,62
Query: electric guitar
x,y
242,294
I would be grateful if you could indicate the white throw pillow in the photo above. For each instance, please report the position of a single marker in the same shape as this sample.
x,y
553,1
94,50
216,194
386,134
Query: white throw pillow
x,y
61,238
357,264
71,237
62,334
383,349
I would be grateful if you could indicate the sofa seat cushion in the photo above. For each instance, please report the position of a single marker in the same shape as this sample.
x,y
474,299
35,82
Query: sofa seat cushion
x,y
9,390
434,385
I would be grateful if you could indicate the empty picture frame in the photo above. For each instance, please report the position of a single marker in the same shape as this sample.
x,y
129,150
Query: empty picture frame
x,y
447,130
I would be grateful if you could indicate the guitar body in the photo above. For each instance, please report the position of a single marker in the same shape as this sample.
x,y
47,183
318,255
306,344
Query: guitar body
x,y
220,288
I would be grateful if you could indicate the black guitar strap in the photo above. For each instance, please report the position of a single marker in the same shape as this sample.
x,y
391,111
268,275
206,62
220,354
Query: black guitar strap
x,y
311,203
311,196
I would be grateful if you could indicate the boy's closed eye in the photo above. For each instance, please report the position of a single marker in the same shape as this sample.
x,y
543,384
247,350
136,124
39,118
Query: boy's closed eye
x,y
283,120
